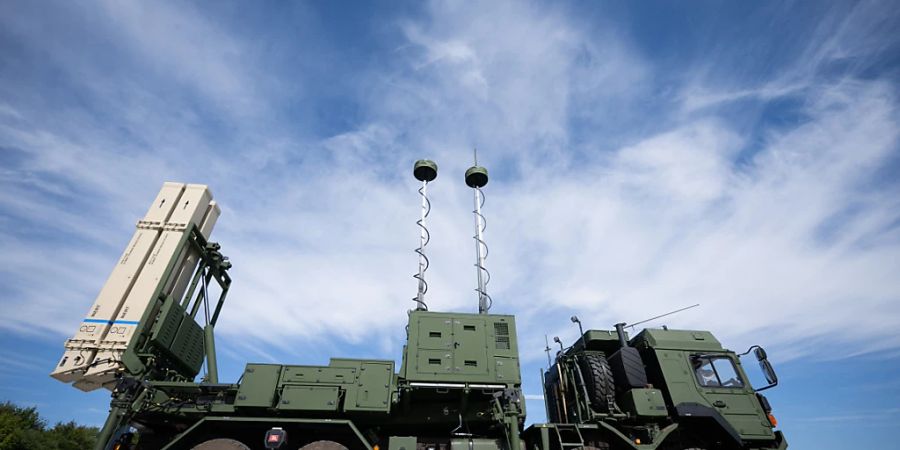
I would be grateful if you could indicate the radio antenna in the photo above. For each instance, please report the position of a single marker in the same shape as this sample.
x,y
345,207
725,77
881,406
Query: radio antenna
x,y
477,178
425,171
547,350
662,315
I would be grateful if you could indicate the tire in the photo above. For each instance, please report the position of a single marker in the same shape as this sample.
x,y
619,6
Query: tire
x,y
551,384
552,404
323,445
221,444
598,381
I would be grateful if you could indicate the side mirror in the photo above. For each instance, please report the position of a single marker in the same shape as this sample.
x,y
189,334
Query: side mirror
x,y
765,366
760,354
769,372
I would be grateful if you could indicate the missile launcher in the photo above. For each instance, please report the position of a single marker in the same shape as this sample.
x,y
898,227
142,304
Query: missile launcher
x,y
458,387
94,354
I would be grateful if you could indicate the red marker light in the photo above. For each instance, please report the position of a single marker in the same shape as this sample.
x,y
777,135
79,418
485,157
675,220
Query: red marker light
x,y
275,438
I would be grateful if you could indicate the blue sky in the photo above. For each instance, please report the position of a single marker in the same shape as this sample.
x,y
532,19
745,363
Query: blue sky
x,y
644,156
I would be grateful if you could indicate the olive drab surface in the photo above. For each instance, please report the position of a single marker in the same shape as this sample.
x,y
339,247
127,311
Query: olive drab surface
x,y
149,340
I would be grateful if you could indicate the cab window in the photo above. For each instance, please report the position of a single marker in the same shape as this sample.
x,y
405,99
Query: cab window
x,y
716,371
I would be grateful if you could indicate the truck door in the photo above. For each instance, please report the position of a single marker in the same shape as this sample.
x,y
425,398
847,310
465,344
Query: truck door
x,y
724,387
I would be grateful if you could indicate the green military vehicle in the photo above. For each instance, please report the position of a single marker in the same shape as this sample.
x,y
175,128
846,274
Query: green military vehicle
x,y
662,389
458,386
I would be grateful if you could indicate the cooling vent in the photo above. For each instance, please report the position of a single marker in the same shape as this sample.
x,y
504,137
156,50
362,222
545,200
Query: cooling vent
x,y
501,335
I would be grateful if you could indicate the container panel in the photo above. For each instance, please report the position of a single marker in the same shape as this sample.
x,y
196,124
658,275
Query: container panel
x,y
318,374
435,333
470,342
258,387
434,362
644,402
309,398
506,369
373,392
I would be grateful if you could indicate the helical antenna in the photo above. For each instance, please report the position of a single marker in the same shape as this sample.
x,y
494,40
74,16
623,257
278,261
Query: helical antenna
x,y
424,171
476,178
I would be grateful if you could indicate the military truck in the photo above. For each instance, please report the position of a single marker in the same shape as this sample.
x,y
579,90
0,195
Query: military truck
x,y
150,334
668,389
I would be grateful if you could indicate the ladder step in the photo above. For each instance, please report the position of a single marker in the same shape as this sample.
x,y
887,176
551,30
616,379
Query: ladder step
x,y
569,436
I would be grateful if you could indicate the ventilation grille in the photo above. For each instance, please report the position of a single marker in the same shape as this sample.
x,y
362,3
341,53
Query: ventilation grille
x,y
501,335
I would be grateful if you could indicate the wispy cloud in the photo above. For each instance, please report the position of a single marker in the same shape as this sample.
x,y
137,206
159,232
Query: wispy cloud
x,y
617,193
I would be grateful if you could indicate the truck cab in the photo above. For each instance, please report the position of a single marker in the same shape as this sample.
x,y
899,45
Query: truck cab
x,y
666,389
705,386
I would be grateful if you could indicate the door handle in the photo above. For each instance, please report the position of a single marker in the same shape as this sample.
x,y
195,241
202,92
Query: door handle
x,y
719,404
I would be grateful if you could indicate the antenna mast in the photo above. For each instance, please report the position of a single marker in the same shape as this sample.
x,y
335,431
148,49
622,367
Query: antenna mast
x,y
476,178
425,171
632,325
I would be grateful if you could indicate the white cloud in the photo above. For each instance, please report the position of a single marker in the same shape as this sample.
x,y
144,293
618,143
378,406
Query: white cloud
x,y
779,237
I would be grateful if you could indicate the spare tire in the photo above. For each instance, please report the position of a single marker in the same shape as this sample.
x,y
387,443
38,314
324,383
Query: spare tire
x,y
551,386
552,404
598,381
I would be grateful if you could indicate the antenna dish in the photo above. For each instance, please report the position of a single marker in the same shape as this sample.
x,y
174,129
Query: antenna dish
x,y
425,170
476,177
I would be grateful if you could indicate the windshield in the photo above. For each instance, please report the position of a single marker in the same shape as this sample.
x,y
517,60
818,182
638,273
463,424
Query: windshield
x,y
716,371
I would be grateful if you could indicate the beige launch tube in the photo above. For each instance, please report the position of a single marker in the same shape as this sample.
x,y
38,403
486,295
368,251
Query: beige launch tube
x,y
93,355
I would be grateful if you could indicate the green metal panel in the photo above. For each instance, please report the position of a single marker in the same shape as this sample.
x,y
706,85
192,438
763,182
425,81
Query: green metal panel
x,y
679,377
258,386
166,327
678,340
737,405
507,369
458,347
402,443
434,361
435,332
373,389
471,341
742,411
318,374
179,337
188,345
309,398
644,402
502,331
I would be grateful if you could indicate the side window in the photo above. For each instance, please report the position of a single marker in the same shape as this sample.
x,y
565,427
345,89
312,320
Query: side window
x,y
716,371
727,373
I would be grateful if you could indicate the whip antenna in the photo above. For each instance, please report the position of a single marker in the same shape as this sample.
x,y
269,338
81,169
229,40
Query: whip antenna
x,y
424,171
632,325
476,178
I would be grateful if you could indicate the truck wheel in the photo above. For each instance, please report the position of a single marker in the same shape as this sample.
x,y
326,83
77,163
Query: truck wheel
x,y
598,380
323,445
221,444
